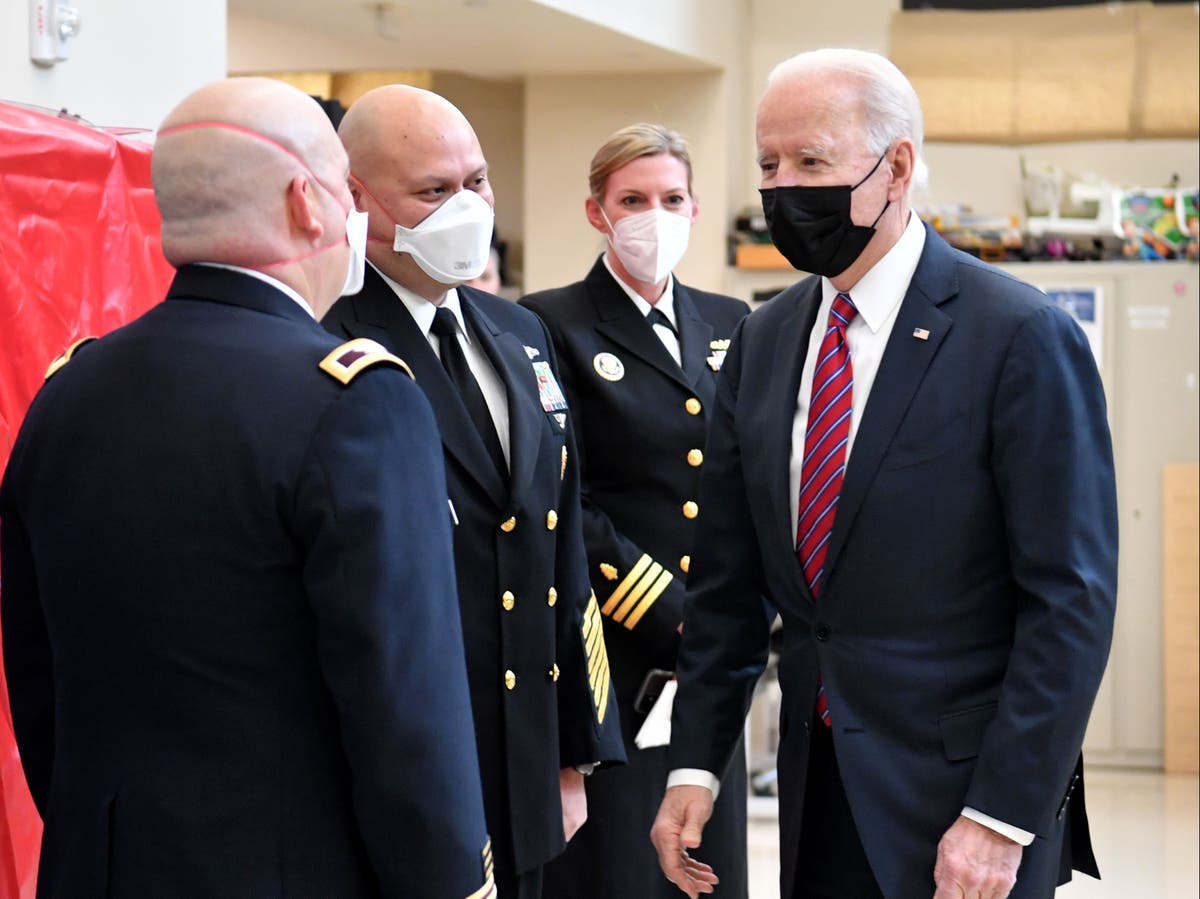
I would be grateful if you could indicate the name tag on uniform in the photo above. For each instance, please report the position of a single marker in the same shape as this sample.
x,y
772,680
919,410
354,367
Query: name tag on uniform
x,y
549,392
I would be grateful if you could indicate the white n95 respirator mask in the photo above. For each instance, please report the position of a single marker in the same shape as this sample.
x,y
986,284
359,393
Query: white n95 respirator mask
x,y
651,243
452,243
356,237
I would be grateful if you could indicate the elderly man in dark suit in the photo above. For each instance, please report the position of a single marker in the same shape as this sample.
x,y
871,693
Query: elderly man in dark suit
x,y
911,458
541,692
230,633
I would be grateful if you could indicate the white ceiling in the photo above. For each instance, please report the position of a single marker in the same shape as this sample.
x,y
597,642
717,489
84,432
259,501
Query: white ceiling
x,y
487,38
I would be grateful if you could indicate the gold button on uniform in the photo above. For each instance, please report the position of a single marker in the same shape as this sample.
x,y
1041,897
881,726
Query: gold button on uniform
x,y
551,520
510,679
509,525
690,509
553,674
508,600
692,405
695,458
685,563
551,597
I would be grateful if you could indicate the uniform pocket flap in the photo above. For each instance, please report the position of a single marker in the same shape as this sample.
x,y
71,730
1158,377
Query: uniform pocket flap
x,y
962,732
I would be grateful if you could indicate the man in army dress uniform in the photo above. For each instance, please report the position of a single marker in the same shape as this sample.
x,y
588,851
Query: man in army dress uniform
x,y
230,634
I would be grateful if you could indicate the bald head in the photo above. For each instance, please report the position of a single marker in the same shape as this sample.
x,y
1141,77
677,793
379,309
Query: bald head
x,y
398,126
410,150
223,162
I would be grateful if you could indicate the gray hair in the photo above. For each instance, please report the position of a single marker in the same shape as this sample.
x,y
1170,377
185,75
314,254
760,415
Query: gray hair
x,y
889,102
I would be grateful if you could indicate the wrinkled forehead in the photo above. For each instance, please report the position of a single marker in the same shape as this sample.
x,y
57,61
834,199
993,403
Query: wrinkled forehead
x,y
823,108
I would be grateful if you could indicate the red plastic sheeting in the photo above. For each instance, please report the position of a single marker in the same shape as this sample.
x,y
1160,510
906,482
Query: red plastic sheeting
x,y
79,255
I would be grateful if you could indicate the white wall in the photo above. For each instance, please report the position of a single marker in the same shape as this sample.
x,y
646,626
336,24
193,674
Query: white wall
x,y
496,110
132,61
707,30
567,118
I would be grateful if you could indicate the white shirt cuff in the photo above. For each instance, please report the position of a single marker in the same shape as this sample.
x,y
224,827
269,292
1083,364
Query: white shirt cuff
x,y
694,777
1015,834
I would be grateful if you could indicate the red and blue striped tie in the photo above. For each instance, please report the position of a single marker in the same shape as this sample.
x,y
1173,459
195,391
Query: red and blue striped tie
x,y
825,439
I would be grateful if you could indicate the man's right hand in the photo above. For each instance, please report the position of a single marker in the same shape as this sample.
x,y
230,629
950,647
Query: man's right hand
x,y
677,828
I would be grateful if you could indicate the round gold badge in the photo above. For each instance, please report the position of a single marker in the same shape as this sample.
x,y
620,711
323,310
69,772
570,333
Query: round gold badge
x,y
609,367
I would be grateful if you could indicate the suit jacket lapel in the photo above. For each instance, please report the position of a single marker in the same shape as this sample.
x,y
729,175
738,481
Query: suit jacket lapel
x,y
904,363
380,313
525,414
791,350
695,336
623,323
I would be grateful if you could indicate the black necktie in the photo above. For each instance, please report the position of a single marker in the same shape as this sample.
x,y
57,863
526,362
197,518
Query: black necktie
x,y
455,363
657,317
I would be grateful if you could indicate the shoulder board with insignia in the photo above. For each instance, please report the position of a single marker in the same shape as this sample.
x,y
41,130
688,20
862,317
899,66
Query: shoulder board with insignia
x,y
352,357
62,360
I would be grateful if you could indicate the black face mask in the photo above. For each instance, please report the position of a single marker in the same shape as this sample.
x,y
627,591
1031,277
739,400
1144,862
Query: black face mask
x,y
811,226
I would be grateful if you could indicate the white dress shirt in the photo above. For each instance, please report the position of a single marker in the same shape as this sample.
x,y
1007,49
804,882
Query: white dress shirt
x,y
494,394
665,305
877,297
254,273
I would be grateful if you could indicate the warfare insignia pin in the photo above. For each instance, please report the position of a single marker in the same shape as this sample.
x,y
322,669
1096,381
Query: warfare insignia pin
x,y
717,358
608,366
532,351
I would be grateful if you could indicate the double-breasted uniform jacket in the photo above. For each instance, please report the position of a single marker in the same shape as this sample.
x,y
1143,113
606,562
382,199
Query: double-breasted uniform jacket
x,y
232,654
641,421
536,662
967,609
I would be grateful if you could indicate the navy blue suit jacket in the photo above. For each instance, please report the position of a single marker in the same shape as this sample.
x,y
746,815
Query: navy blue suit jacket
x,y
967,611
518,536
230,624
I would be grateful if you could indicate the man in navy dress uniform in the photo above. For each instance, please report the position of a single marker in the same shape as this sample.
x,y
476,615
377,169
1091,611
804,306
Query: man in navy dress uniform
x,y
230,624
541,691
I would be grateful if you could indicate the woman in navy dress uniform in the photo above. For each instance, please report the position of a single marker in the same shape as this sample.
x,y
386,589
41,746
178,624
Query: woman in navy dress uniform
x,y
639,354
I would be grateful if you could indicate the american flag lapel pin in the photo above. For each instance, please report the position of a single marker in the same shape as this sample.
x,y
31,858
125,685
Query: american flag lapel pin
x,y
920,334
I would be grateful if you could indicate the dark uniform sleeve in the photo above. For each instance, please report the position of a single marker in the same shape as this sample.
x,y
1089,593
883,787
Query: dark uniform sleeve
x,y
28,666
725,633
589,725
374,523
642,594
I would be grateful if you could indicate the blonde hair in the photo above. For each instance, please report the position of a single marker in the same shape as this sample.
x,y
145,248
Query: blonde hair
x,y
634,142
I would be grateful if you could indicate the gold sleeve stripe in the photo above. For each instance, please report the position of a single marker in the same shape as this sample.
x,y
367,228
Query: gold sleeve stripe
x,y
600,677
487,891
597,657
635,594
630,579
648,599
596,635
602,702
